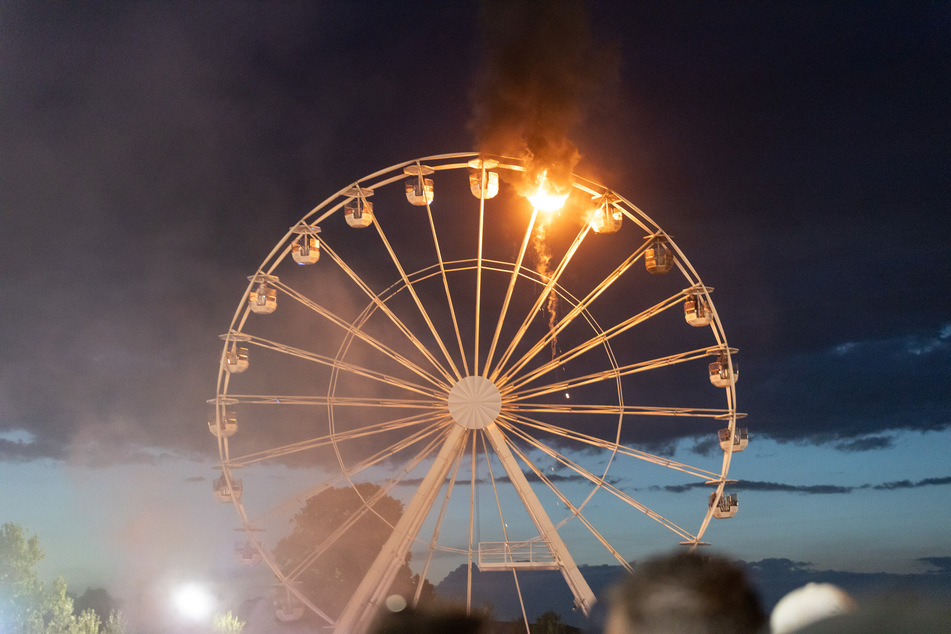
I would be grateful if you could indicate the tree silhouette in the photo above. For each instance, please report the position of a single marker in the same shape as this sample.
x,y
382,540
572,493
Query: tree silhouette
x,y
98,600
330,578
26,606
549,623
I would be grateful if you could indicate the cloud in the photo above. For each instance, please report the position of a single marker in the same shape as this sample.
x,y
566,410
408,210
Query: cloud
x,y
118,330
176,160
778,576
869,443
942,564
20,451
174,181
707,446
852,394
809,489
762,486
749,485
908,484
780,564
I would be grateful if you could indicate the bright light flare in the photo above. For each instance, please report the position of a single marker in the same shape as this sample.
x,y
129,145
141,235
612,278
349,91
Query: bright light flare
x,y
194,602
546,197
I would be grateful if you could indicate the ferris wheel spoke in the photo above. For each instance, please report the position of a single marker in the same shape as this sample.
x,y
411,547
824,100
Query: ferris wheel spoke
x,y
614,410
600,443
366,507
340,365
472,498
331,539
575,511
594,479
576,310
385,309
478,289
509,393
337,401
587,346
323,441
360,334
352,470
495,490
511,287
419,304
445,283
540,301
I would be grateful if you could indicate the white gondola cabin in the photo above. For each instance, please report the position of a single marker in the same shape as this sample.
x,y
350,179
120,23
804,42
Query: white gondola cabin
x,y
236,359
721,374
697,311
483,183
726,507
359,211
225,492
246,554
227,427
419,189
263,300
658,258
305,250
741,438
287,607
607,217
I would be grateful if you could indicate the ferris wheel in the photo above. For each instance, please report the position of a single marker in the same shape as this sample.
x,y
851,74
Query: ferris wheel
x,y
541,386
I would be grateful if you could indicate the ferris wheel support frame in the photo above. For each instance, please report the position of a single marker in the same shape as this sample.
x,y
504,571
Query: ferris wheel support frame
x,y
369,595
518,386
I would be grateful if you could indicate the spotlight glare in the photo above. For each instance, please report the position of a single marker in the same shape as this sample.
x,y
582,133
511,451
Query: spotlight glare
x,y
193,601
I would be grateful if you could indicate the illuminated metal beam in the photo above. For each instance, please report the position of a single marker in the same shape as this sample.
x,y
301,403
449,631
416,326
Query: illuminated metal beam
x,y
370,594
584,597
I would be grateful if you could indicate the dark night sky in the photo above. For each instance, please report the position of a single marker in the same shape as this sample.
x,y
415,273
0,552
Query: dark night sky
x,y
152,153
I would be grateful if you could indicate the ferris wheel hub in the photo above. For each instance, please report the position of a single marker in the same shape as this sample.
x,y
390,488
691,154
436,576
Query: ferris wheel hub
x,y
474,402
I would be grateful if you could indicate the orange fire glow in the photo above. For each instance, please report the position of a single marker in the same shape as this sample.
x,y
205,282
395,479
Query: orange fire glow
x,y
546,196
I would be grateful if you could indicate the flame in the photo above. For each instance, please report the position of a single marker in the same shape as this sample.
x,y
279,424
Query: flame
x,y
547,197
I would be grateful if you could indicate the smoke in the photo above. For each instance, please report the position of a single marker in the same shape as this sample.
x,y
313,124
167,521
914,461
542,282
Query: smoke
x,y
542,266
540,69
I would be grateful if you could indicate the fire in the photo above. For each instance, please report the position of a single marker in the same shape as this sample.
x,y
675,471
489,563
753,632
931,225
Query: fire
x,y
547,197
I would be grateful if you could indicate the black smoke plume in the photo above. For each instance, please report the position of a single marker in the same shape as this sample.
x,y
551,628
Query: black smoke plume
x,y
540,67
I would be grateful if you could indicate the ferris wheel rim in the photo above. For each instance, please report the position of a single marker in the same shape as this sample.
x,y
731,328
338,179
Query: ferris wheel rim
x,y
334,204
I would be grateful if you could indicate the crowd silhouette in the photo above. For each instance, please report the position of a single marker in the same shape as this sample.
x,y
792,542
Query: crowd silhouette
x,y
689,593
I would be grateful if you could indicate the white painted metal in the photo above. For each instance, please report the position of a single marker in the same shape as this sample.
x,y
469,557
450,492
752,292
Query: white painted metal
x,y
526,555
584,597
475,402
447,369
371,592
